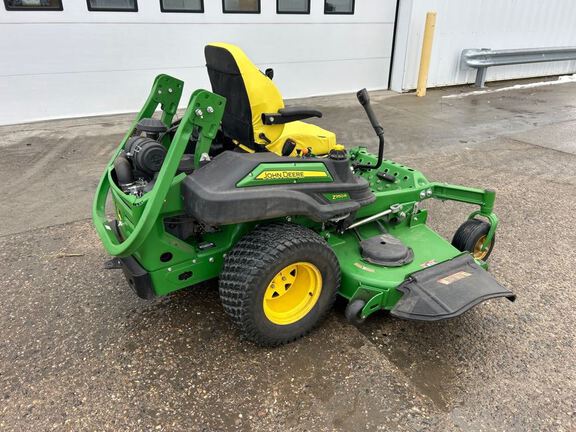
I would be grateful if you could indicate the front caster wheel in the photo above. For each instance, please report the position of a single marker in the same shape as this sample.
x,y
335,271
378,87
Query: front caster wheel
x,y
353,311
278,282
470,236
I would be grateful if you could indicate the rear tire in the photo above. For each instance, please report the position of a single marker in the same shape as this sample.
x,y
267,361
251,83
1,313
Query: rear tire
x,y
278,283
470,236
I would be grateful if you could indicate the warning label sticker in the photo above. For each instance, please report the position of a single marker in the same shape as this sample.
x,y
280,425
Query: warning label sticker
x,y
363,267
454,278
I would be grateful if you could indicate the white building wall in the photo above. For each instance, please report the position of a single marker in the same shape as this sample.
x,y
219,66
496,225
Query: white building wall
x,y
78,63
496,24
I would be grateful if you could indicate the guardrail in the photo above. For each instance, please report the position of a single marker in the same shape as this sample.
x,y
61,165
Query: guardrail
x,y
482,59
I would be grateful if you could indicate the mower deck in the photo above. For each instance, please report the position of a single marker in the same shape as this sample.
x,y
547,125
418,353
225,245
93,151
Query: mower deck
x,y
382,287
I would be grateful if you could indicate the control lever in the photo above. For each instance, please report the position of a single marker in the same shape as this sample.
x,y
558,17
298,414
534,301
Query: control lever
x,y
364,99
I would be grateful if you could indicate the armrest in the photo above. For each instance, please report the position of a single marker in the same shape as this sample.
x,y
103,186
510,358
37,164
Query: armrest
x,y
287,115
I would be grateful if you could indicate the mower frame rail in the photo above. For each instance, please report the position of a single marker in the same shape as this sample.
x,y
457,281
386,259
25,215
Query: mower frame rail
x,y
204,113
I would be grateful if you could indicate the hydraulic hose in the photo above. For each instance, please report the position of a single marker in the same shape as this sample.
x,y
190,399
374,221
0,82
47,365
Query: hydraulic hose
x,y
123,170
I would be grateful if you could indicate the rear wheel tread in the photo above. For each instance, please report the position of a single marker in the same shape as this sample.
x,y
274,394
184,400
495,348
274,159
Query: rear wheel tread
x,y
251,258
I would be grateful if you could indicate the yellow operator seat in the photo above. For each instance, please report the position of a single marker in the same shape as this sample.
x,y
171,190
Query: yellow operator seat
x,y
255,117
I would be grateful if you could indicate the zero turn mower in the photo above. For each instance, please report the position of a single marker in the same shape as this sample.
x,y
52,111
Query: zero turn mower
x,y
286,218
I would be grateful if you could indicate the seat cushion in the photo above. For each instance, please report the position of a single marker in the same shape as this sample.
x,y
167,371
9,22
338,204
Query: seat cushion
x,y
304,135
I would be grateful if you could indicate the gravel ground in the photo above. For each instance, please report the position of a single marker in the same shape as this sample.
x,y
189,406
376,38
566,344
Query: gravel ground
x,y
503,366
79,351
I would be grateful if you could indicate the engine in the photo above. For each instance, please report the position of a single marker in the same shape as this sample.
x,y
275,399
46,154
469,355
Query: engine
x,y
143,155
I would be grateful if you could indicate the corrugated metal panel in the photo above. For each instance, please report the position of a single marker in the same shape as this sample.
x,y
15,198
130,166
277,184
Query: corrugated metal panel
x,y
496,24
78,63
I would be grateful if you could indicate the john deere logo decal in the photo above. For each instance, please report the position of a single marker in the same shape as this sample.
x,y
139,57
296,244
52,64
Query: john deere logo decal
x,y
286,173
281,175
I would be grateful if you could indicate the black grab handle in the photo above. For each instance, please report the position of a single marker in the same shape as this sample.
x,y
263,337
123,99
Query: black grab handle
x,y
364,99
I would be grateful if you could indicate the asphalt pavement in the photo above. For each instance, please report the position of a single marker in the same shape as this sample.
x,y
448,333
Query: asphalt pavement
x,y
79,351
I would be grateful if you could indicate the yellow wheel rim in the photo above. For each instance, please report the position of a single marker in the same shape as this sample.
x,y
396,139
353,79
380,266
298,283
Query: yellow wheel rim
x,y
478,253
292,293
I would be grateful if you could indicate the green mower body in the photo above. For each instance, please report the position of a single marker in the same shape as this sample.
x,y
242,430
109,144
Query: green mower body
x,y
181,227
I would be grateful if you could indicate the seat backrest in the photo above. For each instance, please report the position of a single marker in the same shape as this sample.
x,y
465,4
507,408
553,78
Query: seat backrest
x,y
248,93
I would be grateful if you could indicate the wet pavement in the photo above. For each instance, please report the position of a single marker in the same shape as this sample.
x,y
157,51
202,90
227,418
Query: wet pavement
x,y
79,351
